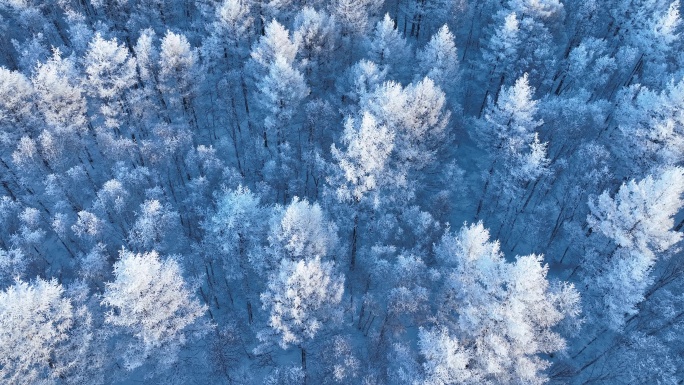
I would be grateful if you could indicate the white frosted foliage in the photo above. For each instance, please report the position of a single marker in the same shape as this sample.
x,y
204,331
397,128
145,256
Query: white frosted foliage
x,y
151,301
302,297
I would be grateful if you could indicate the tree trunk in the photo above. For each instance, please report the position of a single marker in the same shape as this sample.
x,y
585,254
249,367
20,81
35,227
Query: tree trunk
x,y
304,363
354,239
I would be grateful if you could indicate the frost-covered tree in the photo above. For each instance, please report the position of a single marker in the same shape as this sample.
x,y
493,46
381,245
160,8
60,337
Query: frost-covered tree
x,y
233,20
418,116
31,234
511,118
400,298
646,39
60,96
154,226
354,14
363,163
281,91
146,55
42,333
387,47
224,47
87,225
503,48
303,232
508,133
109,68
288,375
502,313
651,125
340,359
641,215
438,60
17,106
237,228
237,236
110,71
275,42
152,302
640,221
519,43
302,298
422,129
317,35
542,9
591,57
12,265
178,70
446,362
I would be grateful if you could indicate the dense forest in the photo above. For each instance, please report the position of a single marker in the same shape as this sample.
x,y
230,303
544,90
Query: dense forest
x,y
341,192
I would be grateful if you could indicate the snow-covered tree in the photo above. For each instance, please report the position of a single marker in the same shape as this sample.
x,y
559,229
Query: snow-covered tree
x,y
387,47
641,215
109,68
237,228
591,57
110,71
508,132
275,42
544,9
640,221
502,313
233,20
178,70
446,362
155,225
418,117
17,106
60,96
303,232
354,14
422,129
151,301
503,47
438,60
359,81
36,320
341,360
87,225
281,91
302,298
224,46
12,265
363,163
647,39
317,34
652,127
146,55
